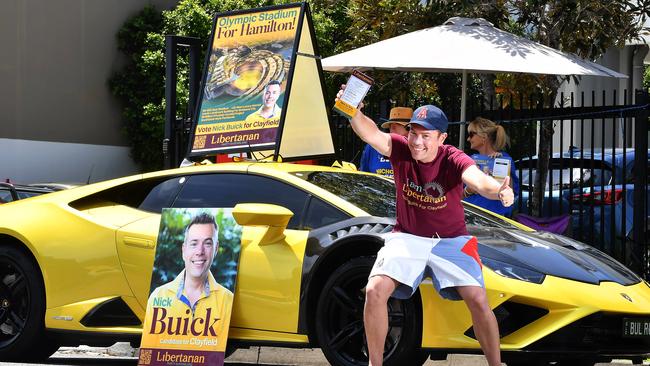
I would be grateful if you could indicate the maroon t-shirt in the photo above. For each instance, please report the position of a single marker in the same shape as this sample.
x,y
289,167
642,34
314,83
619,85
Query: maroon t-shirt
x,y
429,194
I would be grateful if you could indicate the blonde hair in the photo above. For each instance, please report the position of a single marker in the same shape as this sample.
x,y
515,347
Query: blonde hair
x,y
495,133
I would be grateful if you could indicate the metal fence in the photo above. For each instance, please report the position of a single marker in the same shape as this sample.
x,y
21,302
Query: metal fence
x,y
598,176
598,173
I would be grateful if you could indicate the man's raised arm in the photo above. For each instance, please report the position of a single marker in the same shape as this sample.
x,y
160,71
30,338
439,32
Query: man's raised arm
x,y
368,131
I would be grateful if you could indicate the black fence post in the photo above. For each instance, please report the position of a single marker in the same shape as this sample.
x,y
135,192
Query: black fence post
x,y
195,71
174,140
170,100
641,248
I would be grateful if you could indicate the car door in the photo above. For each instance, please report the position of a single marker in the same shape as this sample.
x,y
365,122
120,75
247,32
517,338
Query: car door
x,y
136,240
267,293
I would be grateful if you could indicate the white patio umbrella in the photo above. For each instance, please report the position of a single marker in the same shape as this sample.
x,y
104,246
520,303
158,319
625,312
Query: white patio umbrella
x,y
464,45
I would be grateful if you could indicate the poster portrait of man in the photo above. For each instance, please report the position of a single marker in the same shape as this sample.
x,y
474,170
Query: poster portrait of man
x,y
189,307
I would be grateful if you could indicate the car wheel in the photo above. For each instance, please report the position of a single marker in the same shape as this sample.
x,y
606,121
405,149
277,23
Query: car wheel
x,y
339,320
22,309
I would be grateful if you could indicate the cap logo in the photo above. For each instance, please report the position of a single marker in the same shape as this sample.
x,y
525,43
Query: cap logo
x,y
422,114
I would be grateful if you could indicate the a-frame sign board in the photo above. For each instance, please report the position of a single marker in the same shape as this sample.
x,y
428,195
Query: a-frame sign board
x,y
262,88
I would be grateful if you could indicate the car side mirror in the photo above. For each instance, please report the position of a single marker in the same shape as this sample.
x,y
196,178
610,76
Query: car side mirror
x,y
274,217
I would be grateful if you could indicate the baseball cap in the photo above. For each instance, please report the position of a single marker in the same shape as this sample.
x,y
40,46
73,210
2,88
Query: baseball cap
x,y
431,118
399,115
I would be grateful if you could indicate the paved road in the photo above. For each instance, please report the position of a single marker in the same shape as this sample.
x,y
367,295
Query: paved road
x,y
123,355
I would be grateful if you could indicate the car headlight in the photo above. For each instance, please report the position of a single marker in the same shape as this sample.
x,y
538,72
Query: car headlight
x,y
513,271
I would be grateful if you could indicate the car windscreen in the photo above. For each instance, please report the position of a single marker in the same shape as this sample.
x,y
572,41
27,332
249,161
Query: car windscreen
x,y
27,194
477,217
373,194
376,195
567,177
5,196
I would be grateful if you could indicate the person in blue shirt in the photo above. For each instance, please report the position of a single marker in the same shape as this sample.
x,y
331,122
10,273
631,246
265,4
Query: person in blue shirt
x,y
374,162
489,139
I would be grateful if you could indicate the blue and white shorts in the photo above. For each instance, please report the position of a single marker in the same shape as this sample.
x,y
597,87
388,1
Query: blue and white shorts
x,y
449,262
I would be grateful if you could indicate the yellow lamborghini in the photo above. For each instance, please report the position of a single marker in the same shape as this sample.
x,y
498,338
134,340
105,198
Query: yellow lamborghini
x,y
75,268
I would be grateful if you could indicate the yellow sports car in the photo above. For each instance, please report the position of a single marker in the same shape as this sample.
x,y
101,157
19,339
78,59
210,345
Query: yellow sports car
x,y
75,268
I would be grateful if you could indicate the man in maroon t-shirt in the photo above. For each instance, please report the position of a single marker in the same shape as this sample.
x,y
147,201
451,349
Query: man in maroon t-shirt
x,y
429,178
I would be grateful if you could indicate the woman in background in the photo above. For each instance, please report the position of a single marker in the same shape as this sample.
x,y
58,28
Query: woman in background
x,y
489,139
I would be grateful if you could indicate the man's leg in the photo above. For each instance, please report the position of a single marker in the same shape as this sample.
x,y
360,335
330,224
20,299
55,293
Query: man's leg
x,y
375,316
485,323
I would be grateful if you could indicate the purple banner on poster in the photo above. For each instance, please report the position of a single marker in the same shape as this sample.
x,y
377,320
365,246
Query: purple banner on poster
x,y
169,357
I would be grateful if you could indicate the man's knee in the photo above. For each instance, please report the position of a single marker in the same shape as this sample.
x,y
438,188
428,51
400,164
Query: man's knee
x,y
475,298
378,290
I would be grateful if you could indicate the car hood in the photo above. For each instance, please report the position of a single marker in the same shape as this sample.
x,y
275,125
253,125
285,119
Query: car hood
x,y
551,254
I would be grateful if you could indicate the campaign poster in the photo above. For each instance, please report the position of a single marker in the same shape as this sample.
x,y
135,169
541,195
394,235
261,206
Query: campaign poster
x,y
192,288
244,88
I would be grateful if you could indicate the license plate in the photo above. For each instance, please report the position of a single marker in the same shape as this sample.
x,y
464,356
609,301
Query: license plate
x,y
636,327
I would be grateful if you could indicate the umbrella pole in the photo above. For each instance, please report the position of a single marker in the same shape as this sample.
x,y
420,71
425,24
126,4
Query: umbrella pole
x,y
463,103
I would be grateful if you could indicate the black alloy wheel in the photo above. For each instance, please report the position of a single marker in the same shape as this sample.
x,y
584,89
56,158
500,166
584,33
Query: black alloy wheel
x,y
339,320
22,309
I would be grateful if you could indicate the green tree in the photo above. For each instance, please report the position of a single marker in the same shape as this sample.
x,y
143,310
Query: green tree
x,y
370,22
646,78
138,86
584,27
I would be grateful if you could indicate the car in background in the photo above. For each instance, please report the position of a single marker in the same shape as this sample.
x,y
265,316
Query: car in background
x,y
55,186
586,183
76,268
13,192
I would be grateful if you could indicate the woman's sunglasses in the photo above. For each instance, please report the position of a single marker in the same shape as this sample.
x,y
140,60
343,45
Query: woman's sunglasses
x,y
471,134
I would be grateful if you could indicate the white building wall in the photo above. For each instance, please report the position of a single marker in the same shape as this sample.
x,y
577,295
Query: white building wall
x,y
58,116
628,60
25,161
